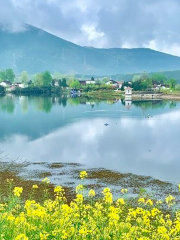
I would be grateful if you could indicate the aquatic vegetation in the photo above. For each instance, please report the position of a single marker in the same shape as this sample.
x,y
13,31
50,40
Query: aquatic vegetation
x,y
86,216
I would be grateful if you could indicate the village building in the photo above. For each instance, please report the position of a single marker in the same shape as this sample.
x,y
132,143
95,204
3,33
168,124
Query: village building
x,y
20,85
82,82
158,87
120,83
85,82
128,91
6,84
112,83
56,83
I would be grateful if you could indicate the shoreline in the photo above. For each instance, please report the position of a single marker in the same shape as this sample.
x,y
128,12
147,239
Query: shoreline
x,y
106,95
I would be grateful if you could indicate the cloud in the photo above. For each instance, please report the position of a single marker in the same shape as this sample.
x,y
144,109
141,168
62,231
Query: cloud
x,y
100,23
123,147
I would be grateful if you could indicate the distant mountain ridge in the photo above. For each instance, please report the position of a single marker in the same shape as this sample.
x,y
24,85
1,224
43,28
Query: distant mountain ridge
x,y
36,50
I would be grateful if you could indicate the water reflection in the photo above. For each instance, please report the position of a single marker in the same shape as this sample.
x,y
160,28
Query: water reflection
x,y
9,102
72,130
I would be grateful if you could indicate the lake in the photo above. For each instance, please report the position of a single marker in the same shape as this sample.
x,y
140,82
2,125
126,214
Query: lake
x,y
60,136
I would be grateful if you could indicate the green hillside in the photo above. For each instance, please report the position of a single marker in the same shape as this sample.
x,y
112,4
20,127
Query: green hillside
x,y
36,50
167,74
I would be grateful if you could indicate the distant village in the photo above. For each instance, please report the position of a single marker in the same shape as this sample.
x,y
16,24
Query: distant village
x,y
116,85
46,82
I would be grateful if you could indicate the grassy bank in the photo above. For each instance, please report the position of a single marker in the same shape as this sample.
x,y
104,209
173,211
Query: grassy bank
x,y
85,217
108,94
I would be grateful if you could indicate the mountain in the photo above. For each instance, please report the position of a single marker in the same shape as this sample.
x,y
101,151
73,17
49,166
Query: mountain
x,y
36,50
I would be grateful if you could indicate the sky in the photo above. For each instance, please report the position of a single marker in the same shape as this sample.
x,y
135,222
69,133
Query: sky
x,y
100,23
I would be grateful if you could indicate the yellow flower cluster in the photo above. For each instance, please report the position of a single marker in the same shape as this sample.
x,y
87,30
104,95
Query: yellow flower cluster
x,y
84,218
83,174
17,191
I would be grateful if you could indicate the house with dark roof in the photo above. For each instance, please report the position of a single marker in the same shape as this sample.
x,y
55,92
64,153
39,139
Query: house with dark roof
x,y
6,83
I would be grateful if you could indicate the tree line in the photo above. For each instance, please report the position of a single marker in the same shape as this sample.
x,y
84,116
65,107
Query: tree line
x,y
147,82
139,82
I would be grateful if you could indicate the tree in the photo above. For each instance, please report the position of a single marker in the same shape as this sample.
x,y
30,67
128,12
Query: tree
x,y
172,82
47,78
53,82
30,83
158,78
57,75
63,83
177,87
74,84
59,82
98,82
10,75
3,75
7,74
2,90
38,80
136,78
105,79
24,77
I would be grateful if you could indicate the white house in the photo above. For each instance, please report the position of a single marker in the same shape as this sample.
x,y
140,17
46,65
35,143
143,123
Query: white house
x,y
128,91
6,84
20,85
90,82
56,83
112,83
165,87
85,82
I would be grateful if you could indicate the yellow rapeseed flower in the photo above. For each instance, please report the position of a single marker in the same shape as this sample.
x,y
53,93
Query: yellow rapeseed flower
x,y
17,191
170,200
120,201
58,189
79,188
124,190
21,237
10,180
150,202
141,200
83,174
46,180
91,193
35,186
102,218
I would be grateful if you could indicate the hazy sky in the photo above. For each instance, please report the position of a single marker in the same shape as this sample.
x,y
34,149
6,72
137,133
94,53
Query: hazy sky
x,y
100,23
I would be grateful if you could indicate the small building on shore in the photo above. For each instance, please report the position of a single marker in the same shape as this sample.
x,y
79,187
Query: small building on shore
x,y
128,91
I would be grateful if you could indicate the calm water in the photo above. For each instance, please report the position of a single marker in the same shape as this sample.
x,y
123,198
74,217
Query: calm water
x,y
48,130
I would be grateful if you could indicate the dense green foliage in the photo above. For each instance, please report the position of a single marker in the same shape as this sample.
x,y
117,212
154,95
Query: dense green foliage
x,y
145,82
33,90
7,74
2,90
166,74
